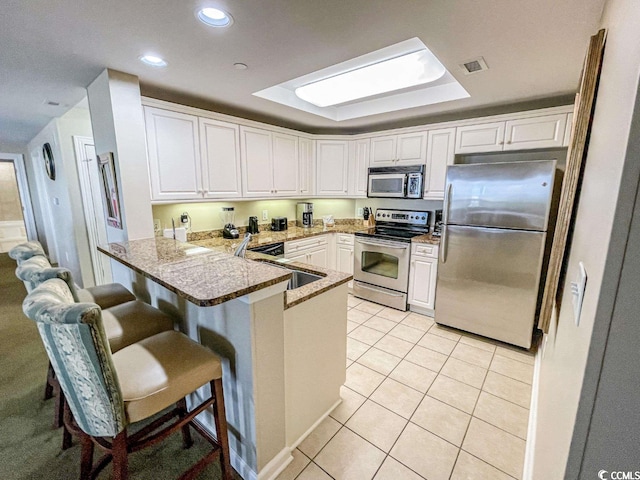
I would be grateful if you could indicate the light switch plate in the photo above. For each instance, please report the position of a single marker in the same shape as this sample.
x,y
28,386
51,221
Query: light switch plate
x,y
577,292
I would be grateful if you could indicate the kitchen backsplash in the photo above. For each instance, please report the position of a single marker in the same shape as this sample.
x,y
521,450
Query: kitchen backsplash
x,y
206,216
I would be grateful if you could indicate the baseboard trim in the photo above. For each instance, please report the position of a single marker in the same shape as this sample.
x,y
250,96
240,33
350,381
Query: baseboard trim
x,y
313,427
277,464
424,311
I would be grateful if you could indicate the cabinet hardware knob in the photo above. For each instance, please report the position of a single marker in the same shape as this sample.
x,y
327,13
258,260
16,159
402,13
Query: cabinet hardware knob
x,y
500,143
508,141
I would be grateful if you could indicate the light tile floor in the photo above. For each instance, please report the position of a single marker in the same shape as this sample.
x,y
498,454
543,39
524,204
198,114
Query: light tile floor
x,y
421,401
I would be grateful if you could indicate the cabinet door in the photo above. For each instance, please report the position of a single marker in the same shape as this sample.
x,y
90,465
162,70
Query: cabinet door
x,y
383,151
220,148
440,154
411,149
344,258
422,282
332,162
487,137
318,256
538,132
306,166
359,168
285,164
173,154
257,171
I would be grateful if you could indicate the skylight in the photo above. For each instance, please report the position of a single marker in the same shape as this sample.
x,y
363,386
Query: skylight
x,y
404,75
389,75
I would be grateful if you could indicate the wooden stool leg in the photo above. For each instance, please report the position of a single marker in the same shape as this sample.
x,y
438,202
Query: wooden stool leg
x,y
66,434
187,441
58,414
220,418
120,459
86,456
48,388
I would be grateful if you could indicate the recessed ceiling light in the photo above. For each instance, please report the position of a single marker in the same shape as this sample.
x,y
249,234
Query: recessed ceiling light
x,y
405,71
214,17
153,60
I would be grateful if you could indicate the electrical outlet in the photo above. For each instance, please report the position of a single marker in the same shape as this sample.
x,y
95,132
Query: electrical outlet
x,y
156,225
265,215
184,218
360,212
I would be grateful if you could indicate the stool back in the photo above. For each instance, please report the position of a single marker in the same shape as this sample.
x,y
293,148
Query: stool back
x,y
26,250
36,270
77,346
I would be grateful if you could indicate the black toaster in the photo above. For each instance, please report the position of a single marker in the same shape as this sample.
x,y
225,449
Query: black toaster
x,y
278,224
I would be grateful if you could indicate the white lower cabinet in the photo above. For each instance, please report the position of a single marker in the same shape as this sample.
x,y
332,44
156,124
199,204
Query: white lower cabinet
x,y
314,251
422,277
344,254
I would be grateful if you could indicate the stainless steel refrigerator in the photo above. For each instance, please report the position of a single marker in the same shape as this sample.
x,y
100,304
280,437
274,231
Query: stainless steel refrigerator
x,y
494,237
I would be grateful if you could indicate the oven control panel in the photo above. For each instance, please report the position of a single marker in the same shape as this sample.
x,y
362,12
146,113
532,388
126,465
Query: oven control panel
x,y
402,217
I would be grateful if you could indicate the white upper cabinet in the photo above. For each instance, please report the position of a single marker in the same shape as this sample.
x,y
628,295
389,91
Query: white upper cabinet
x,y
537,132
567,130
332,167
220,150
403,149
547,131
174,155
359,167
285,164
306,165
440,154
486,137
269,163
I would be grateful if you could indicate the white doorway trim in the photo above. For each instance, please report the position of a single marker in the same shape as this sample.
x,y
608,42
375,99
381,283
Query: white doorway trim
x,y
23,190
92,207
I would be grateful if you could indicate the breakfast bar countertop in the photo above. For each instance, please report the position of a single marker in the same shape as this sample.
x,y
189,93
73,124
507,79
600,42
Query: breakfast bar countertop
x,y
203,276
210,275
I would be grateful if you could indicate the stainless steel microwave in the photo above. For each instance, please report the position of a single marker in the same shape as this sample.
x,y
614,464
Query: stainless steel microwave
x,y
395,182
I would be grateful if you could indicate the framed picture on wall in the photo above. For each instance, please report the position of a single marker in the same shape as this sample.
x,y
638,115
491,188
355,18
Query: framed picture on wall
x,y
110,195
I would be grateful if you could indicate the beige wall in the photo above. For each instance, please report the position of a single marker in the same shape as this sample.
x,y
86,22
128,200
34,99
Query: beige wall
x,y
566,347
10,206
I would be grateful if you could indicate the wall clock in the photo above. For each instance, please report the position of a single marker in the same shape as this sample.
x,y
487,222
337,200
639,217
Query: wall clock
x,y
49,163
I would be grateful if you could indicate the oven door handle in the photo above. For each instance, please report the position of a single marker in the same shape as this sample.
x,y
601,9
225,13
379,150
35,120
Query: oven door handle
x,y
386,245
386,292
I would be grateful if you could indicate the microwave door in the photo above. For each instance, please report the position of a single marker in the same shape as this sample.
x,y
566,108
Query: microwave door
x,y
390,185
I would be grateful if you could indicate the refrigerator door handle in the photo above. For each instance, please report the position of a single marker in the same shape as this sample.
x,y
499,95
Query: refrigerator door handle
x,y
445,223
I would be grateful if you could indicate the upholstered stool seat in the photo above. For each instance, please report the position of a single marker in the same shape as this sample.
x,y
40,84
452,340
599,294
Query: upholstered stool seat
x,y
105,296
131,322
160,370
107,392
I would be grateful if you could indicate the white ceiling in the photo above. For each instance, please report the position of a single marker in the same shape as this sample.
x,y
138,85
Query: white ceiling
x,y
51,50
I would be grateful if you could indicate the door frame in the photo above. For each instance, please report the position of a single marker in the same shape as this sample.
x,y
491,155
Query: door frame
x,y
25,195
92,210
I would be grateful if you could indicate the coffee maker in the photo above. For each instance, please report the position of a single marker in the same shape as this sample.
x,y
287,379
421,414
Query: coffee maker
x,y
304,214
228,216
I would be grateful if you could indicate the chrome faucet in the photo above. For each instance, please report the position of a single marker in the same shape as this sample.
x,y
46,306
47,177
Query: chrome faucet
x,y
242,248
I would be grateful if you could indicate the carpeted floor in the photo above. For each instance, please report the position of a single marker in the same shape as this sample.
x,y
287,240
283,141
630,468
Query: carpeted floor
x,y
29,445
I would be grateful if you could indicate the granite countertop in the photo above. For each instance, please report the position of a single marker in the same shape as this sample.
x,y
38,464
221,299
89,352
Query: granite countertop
x,y
202,276
210,275
428,238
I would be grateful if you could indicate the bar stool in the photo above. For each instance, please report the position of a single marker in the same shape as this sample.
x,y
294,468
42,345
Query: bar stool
x,y
126,322
107,392
106,295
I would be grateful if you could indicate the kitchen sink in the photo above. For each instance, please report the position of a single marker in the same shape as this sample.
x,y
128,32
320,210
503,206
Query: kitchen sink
x,y
300,279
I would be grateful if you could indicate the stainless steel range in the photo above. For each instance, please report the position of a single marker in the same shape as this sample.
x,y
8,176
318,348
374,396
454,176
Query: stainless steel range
x,y
381,268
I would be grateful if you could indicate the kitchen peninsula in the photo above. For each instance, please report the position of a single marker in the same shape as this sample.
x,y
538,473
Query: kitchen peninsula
x,y
283,365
